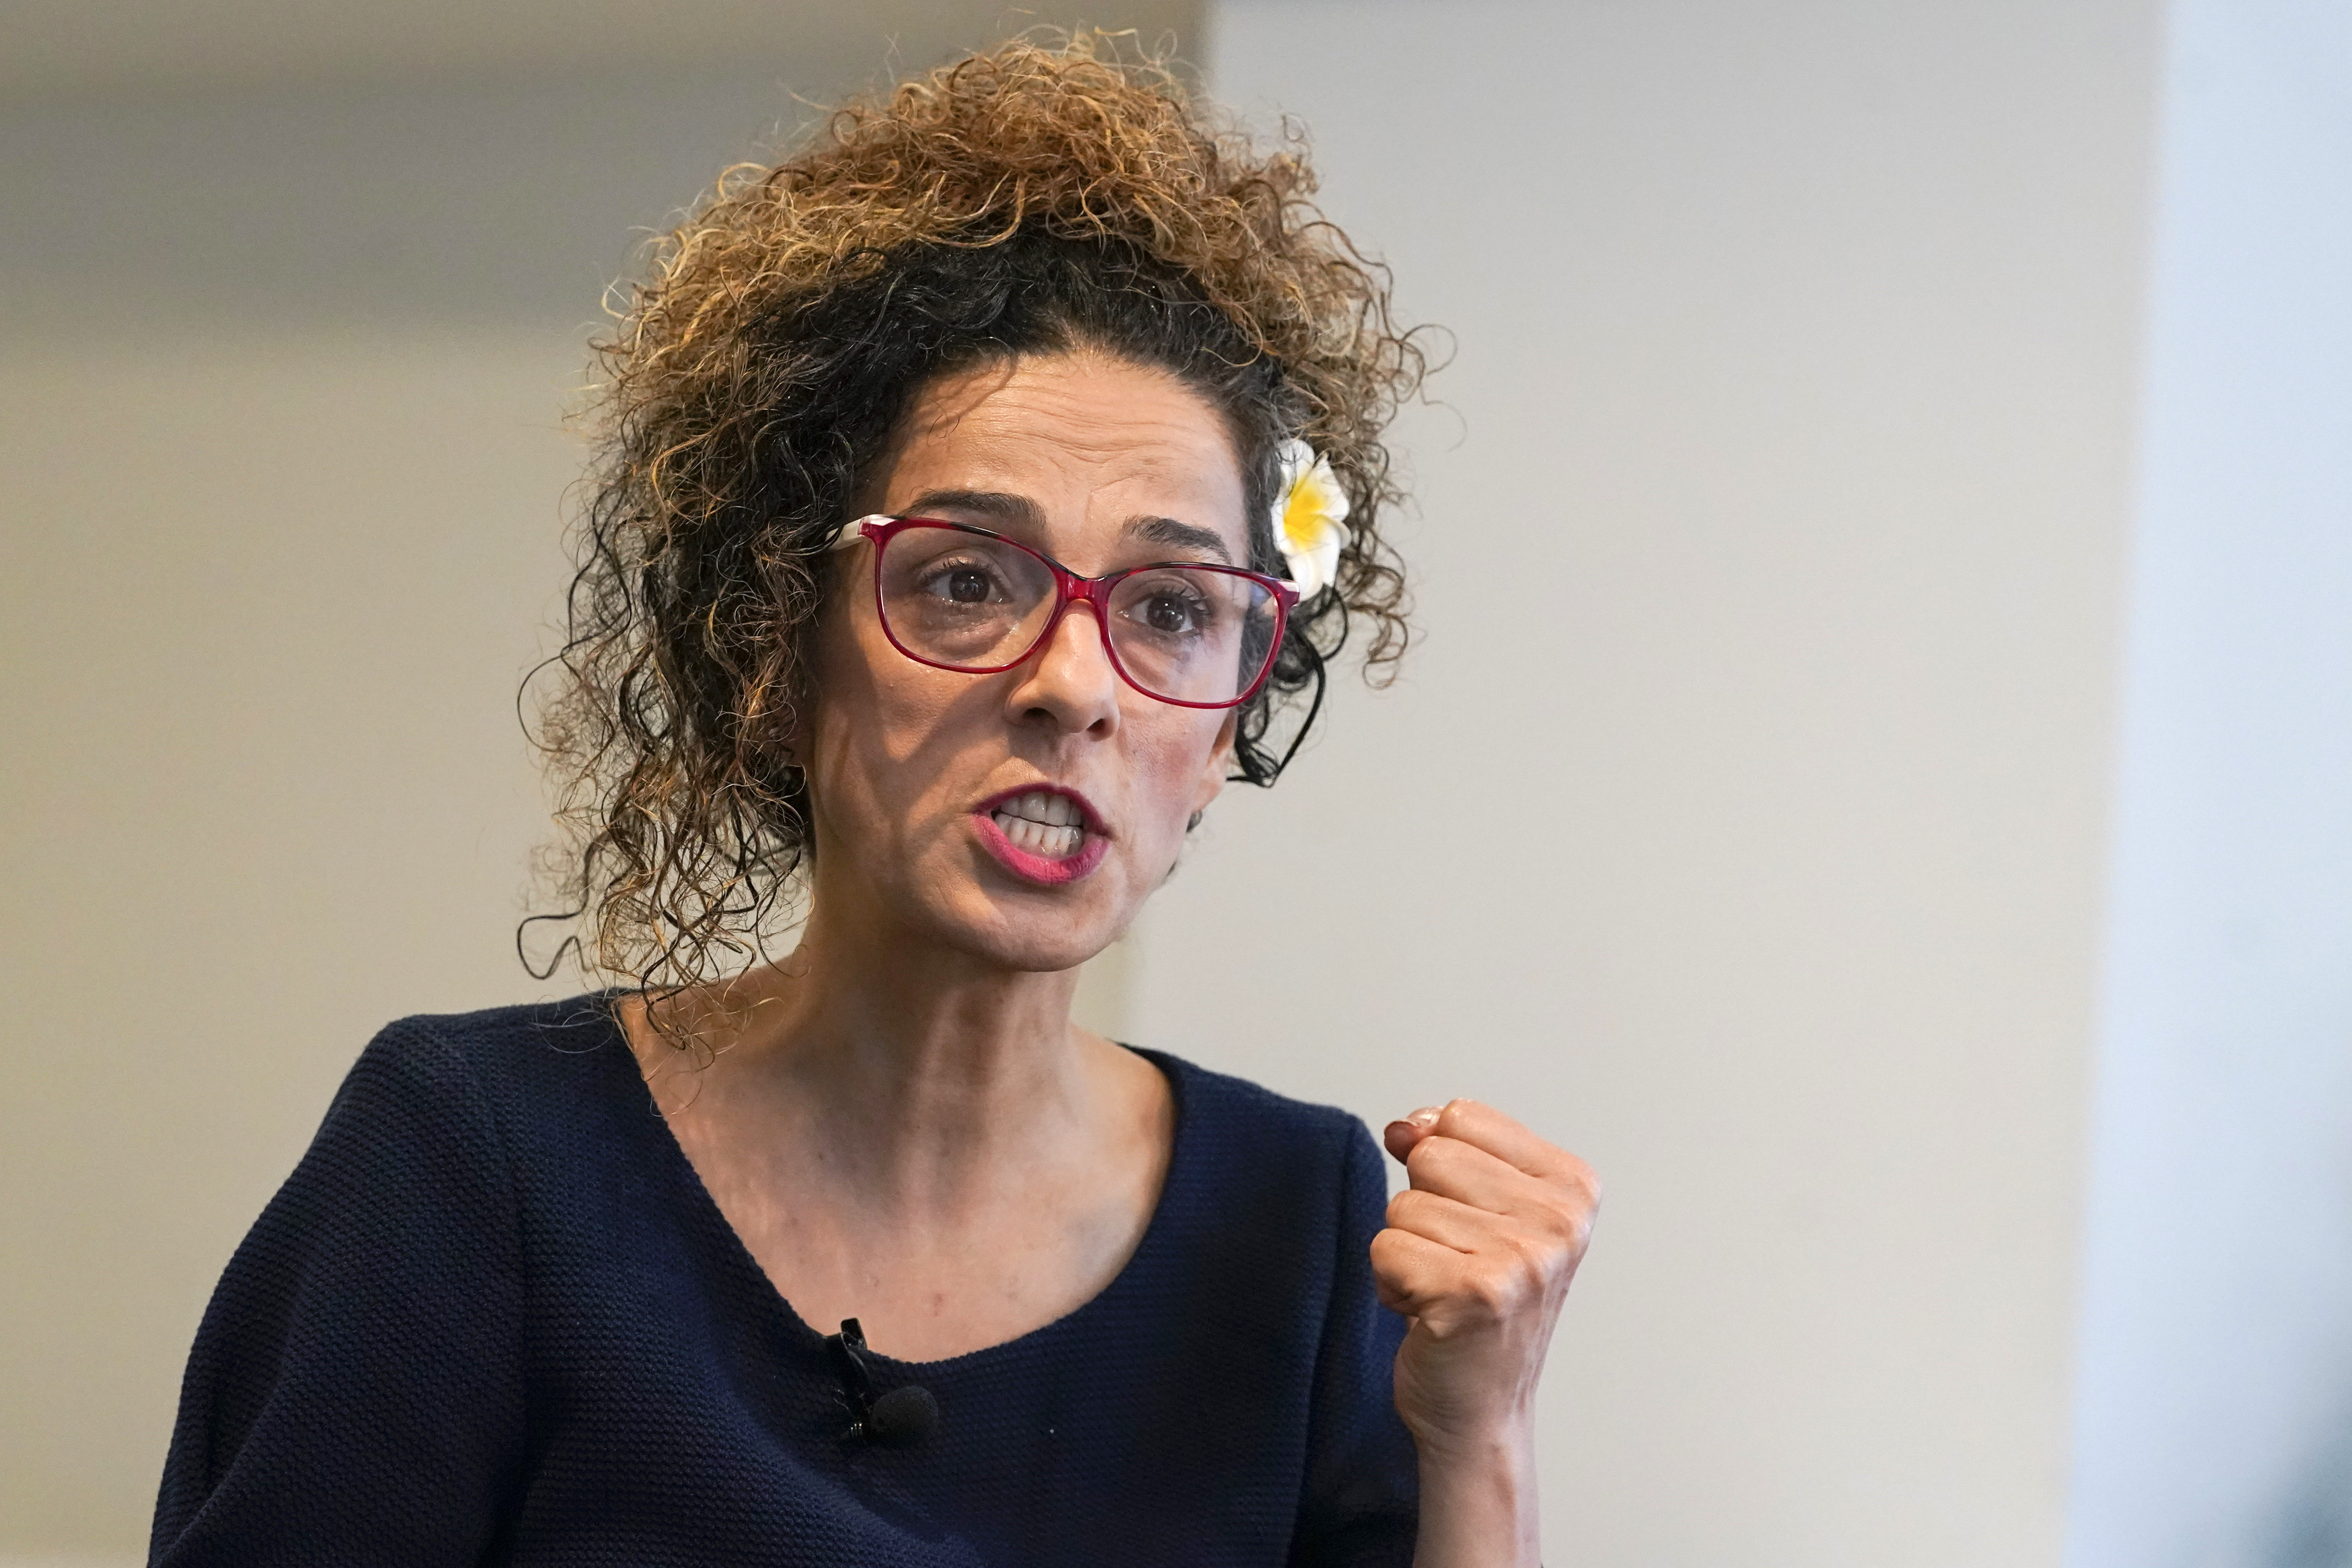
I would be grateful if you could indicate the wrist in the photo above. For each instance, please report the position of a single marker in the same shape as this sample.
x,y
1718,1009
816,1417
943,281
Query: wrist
x,y
1476,1439
1478,1499
1505,1443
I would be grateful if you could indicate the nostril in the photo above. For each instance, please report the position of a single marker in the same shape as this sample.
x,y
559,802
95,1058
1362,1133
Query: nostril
x,y
1072,686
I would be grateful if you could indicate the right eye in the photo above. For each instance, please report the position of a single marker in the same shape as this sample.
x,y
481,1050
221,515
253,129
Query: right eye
x,y
961,582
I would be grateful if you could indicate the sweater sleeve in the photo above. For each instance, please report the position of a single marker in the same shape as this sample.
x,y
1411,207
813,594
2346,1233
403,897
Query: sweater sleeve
x,y
1361,1507
355,1391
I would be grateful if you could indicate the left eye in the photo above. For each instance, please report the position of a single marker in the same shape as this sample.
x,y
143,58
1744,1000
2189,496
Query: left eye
x,y
1172,614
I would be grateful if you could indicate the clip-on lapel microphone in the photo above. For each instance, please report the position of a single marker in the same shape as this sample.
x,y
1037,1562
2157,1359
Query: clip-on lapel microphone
x,y
900,1418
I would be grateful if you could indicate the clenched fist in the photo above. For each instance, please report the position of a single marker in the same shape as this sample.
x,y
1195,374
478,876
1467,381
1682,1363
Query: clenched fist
x,y
1478,1256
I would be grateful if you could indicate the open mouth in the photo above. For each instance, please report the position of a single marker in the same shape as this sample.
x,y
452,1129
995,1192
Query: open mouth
x,y
1043,836
1047,825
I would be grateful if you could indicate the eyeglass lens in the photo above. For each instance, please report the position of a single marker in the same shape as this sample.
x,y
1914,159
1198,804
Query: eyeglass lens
x,y
970,602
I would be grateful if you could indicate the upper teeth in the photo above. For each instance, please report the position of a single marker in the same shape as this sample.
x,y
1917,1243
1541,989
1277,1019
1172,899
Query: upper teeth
x,y
1041,824
1053,810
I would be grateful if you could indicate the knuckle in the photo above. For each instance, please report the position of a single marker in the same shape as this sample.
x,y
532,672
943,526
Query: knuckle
x,y
1585,1180
1534,1260
1458,1113
1392,1255
1552,1212
1566,1218
1493,1292
1410,1210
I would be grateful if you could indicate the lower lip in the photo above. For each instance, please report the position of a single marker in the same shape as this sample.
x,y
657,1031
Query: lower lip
x,y
1036,869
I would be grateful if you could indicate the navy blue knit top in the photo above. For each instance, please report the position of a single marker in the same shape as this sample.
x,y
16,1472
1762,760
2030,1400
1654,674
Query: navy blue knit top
x,y
493,1317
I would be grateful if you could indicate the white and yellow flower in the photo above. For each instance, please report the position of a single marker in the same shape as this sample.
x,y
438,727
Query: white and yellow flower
x,y
1310,518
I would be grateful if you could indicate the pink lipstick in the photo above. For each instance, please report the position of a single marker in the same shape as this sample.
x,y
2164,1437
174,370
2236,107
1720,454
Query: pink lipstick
x,y
1043,834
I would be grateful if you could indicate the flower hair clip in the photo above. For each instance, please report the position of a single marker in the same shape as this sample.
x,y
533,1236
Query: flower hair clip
x,y
1310,516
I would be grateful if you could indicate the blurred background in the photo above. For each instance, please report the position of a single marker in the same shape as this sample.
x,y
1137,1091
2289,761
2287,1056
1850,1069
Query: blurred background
x,y
1874,778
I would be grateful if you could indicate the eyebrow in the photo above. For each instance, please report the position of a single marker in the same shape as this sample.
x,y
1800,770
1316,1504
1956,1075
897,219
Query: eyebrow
x,y
1183,535
1020,511
995,505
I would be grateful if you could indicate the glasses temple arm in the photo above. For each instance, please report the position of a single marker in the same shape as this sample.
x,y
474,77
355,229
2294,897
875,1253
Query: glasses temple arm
x,y
854,530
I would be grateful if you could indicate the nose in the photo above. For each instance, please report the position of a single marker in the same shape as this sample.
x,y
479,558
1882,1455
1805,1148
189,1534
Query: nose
x,y
1069,683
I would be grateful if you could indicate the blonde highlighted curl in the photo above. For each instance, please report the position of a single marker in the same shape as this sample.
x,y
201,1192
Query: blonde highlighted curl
x,y
1032,198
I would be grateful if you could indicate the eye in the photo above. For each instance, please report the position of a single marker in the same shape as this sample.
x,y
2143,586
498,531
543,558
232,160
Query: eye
x,y
1172,613
962,583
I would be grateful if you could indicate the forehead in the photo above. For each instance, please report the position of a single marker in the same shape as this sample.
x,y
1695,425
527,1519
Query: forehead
x,y
1089,438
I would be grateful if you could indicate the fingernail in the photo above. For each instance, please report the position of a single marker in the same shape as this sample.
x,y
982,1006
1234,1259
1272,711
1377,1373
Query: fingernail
x,y
1426,1116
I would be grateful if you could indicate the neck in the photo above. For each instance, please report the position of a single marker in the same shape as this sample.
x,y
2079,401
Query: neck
x,y
919,1073
946,1038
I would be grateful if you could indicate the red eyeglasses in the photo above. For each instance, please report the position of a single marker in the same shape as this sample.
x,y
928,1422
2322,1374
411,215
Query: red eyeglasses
x,y
962,598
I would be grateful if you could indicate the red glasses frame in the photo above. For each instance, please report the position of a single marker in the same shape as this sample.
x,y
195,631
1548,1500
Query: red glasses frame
x,y
1069,588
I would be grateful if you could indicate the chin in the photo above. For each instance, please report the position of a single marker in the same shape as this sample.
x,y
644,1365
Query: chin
x,y
1037,931
1037,942
1011,910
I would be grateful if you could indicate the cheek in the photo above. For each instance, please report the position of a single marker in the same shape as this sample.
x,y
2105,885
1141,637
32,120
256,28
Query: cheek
x,y
1171,757
875,717
889,737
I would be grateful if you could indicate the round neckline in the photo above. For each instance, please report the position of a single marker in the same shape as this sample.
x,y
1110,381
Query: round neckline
x,y
737,1255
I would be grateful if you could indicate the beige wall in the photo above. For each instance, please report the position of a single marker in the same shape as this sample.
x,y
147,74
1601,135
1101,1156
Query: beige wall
x,y
266,606
1741,821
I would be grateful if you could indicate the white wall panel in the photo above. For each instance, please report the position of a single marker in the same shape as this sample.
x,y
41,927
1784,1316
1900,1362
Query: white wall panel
x,y
2215,1407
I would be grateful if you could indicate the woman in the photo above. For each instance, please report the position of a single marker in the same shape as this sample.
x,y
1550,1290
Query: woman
x,y
982,485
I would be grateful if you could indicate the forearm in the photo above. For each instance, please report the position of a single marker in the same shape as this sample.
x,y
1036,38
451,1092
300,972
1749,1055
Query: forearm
x,y
1478,1504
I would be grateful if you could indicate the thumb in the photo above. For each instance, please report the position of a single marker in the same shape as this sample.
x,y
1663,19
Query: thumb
x,y
1403,1134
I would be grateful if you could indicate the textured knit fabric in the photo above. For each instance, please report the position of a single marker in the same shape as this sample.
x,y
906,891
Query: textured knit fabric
x,y
494,1317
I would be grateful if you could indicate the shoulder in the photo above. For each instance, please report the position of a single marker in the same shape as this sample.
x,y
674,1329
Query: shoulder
x,y
501,1039
1244,1105
495,1048
1240,1126
489,1075
414,1158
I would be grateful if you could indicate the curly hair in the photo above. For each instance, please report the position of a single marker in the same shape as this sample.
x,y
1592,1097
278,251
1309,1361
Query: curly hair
x,y
1032,199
